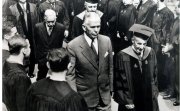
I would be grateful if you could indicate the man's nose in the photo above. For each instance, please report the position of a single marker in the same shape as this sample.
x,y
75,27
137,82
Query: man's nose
x,y
96,29
141,46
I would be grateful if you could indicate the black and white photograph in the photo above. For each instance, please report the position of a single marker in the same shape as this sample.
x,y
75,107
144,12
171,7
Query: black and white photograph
x,y
90,55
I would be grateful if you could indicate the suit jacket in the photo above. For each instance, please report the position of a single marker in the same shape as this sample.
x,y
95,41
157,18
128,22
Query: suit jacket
x,y
92,81
44,42
16,14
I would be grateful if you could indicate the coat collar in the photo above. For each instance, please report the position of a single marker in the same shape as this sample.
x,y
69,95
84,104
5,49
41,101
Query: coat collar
x,y
53,33
87,52
130,52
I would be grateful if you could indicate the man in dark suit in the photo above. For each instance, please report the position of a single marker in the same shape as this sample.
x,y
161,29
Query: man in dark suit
x,y
48,35
92,65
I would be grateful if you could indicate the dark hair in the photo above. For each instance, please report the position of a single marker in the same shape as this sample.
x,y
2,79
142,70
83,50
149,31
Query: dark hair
x,y
16,43
162,0
58,59
142,36
7,26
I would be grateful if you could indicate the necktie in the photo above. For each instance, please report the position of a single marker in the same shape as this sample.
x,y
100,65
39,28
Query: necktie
x,y
92,47
95,52
25,15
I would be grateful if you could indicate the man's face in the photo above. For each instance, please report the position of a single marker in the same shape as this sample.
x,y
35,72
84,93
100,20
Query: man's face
x,y
177,9
12,33
22,1
91,7
139,44
136,2
50,21
92,28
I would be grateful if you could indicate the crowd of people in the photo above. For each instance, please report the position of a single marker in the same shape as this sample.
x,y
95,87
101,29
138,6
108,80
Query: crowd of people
x,y
89,52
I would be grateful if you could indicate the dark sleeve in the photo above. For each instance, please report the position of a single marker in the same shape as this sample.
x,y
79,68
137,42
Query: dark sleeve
x,y
66,20
40,13
29,99
23,83
122,93
104,26
76,27
131,22
155,84
168,24
111,66
35,40
71,76
77,103
150,14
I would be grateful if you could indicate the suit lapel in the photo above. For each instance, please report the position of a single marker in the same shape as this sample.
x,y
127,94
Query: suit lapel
x,y
44,29
88,53
54,33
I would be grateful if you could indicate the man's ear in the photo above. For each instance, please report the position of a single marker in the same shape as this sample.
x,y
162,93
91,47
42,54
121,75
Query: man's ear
x,y
83,27
132,40
69,65
48,65
6,36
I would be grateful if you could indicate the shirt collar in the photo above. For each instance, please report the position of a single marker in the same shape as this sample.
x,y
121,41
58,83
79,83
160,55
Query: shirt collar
x,y
88,39
23,5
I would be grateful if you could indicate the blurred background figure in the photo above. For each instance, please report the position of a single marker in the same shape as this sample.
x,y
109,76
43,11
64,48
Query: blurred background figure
x,y
146,9
125,19
172,48
162,24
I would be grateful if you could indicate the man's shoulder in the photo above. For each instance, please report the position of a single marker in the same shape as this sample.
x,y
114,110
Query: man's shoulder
x,y
13,7
80,16
39,24
104,37
76,41
41,83
59,25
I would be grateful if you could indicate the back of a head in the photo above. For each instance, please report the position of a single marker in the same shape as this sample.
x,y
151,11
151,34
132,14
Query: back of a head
x,y
58,59
91,16
16,43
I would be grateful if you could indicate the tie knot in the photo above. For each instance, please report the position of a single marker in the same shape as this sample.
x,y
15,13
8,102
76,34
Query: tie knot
x,y
92,39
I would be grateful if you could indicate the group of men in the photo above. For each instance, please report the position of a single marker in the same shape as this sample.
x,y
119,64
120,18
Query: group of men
x,y
113,50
